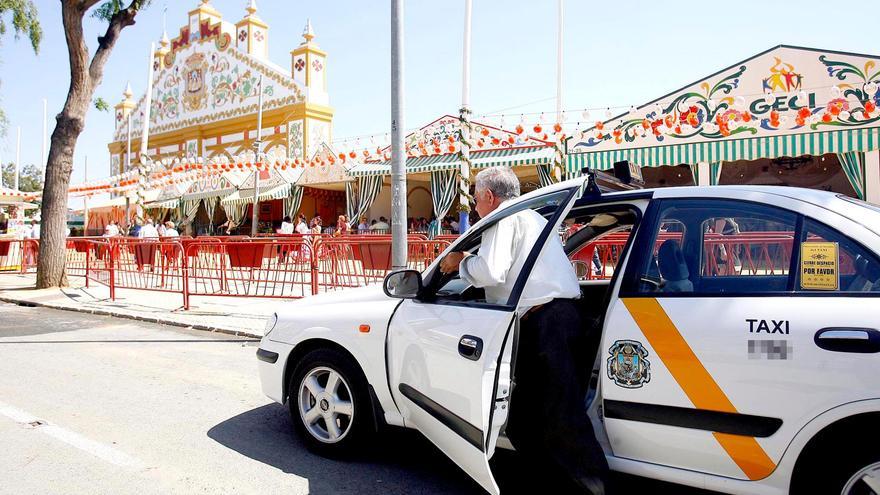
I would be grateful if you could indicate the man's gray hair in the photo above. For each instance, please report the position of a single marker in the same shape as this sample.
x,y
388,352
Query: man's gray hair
x,y
500,180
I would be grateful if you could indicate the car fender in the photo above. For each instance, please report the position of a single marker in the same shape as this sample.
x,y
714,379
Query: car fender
x,y
367,347
784,470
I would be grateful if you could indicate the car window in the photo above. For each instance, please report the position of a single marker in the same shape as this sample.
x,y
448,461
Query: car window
x,y
452,288
831,262
595,241
717,247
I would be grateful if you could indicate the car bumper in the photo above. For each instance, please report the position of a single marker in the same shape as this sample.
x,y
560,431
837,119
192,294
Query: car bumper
x,y
271,360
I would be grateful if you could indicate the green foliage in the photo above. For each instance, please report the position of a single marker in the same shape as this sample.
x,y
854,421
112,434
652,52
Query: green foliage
x,y
25,20
101,104
30,177
108,9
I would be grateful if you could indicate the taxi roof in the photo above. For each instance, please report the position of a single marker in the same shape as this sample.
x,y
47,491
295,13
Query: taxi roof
x,y
863,213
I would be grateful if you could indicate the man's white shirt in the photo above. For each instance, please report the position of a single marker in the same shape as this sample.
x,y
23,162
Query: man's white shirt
x,y
502,254
148,232
302,228
286,228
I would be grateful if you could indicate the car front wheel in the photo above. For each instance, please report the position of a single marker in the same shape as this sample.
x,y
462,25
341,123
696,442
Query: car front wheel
x,y
329,403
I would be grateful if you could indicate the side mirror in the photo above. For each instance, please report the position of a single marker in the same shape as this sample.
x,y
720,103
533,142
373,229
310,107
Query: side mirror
x,y
581,269
404,284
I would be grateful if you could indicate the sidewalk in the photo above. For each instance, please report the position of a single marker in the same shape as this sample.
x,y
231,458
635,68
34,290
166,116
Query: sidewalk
x,y
233,315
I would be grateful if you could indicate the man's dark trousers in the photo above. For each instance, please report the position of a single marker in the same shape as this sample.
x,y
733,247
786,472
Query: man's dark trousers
x,y
548,423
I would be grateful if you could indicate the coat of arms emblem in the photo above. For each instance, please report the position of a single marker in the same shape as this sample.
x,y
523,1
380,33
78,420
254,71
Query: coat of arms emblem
x,y
627,366
194,96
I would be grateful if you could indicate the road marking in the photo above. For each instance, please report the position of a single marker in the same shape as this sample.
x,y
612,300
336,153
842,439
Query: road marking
x,y
97,449
696,382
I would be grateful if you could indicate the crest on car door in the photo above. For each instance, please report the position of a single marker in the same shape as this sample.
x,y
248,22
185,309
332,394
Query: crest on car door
x,y
627,366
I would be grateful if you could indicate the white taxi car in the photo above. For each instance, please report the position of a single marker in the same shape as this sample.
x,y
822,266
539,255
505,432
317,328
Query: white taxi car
x,y
734,330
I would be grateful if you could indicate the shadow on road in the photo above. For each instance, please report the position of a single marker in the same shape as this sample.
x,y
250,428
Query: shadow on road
x,y
400,461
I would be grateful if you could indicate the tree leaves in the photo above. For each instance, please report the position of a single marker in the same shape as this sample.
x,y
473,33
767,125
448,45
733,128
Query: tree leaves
x,y
25,20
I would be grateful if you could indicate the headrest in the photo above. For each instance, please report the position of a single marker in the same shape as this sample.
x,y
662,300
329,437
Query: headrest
x,y
670,261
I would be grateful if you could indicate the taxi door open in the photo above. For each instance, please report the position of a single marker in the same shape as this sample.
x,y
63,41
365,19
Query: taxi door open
x,y
449,351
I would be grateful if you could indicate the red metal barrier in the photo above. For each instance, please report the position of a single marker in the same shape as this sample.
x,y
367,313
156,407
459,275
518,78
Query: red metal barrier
x,y
353,262
97,255
150,264
19,255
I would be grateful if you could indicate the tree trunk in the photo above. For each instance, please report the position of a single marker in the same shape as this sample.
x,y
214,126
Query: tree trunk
x,y
85,76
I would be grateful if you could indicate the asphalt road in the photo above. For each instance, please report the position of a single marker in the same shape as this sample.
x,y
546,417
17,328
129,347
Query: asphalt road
x,y
92,405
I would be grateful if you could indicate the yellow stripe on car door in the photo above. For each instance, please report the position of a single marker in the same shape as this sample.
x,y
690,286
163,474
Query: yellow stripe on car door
x,y
696,382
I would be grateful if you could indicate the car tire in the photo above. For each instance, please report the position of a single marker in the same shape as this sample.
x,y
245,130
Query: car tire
x,y
843,474
329,403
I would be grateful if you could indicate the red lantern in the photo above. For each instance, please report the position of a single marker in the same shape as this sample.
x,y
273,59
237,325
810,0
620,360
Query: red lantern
x,y
746,116
600,125
557,127
870,106
774,115
484,132
451,148
481,143
437,150
600,136
450,138
538,128
352,155
519,129
826,117
342,156
799,121
804,113
496,141
510,140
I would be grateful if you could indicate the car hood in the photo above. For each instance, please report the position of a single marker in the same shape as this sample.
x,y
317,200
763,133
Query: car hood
x,y
333,311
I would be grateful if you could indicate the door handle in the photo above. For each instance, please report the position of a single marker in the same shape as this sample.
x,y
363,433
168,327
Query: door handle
x,y
848,339
470,347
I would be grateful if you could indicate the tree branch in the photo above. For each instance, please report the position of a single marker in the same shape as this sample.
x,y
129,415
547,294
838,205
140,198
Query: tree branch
x,y
118,22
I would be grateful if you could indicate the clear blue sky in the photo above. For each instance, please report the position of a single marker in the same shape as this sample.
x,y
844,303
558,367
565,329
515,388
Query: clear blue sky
x,y
616,53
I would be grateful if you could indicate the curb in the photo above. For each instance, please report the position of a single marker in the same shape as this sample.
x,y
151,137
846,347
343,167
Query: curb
x,y
147,319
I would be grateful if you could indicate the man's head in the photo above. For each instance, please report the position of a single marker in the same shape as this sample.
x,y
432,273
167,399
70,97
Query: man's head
x,y
286,219
494,186
149,221
169,224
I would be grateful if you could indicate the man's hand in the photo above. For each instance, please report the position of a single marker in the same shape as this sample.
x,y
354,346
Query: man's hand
x,y
450,262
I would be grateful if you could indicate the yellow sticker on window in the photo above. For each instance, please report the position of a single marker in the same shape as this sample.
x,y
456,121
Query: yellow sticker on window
x,y
820,266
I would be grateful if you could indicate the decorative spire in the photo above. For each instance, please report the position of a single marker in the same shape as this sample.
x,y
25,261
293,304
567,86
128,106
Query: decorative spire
x,y
308,33
252,7
127,93
164,41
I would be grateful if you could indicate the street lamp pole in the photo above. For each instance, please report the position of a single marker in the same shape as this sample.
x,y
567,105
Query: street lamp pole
x,y
399,248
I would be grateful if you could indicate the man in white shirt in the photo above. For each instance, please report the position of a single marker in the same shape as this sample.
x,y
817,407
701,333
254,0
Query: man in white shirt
x,y
301,225
170,231
34,232
148,230
382,224
286,226
111,230
548,423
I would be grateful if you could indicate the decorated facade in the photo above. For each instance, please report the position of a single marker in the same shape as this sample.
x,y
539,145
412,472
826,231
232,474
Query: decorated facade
x,y
206,89
788,116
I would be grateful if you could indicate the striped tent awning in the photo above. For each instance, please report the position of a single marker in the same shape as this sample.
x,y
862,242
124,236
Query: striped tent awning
x,y
812,143
168,204
246,196
507,157
211,193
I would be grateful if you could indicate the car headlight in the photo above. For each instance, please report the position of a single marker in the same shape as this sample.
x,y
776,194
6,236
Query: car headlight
x,y
270,324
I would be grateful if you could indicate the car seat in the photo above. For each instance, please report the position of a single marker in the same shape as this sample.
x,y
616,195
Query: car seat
x,y
673,268
867,276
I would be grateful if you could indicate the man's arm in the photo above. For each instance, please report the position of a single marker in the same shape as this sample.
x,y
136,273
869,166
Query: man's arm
x,y
489,267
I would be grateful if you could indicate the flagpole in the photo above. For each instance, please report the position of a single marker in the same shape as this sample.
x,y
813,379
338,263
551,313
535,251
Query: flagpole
x,y
464,182
144,158
17,155
559,158
258,149
86,200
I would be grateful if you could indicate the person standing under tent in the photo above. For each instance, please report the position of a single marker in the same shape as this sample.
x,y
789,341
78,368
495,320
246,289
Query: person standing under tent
x,y
286,226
